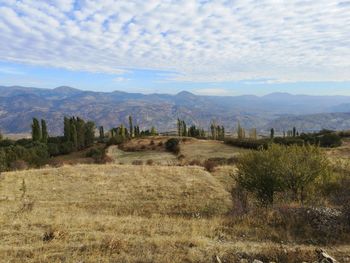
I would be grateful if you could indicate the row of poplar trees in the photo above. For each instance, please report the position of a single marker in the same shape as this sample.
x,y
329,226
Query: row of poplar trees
x,y
39,132
80,133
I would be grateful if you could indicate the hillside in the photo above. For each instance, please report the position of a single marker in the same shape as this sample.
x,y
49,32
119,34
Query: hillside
x,y
129,213
18,105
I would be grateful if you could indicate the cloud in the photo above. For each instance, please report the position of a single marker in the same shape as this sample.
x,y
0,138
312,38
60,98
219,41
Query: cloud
x,y
11,71
200,41
120,79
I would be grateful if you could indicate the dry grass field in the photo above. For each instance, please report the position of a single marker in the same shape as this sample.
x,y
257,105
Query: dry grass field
x,y
125,213
191,149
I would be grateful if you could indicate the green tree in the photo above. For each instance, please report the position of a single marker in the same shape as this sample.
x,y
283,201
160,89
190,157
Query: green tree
x,y
102,133
259,172
44,133
74,136
36,131
89,135
294,131
153,131
272,133
67,129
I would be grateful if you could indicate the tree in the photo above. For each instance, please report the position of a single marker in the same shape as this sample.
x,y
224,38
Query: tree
x,y
36,131
131,129
0,136
272,133
294,131
240,131
303,165
74,136
259,172
67,129
102,133
153,131
80,128
253,134
44,134
89,135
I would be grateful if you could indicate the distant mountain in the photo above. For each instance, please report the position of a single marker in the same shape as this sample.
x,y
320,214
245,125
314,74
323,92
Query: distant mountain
x,y
18,105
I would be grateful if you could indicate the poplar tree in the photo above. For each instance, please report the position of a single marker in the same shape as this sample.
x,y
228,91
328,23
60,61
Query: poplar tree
x,y
102,133
272,133
44,134
131,129
36,132
67,129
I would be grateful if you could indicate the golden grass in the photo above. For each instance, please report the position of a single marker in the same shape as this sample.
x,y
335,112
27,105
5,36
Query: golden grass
x,y
192,149
123,213
204,149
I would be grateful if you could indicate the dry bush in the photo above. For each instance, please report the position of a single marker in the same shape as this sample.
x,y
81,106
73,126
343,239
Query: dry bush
x,y
151,142
195,162
55,163
209,165
160,143
19,165
137,162
149,162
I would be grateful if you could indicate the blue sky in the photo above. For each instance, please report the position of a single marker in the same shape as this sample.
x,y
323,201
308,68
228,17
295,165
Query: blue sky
x,y
206,47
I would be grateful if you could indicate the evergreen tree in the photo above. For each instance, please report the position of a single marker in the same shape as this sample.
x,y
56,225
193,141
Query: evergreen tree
x,y
272,133
102,133
36,131
74,135
294,131
89,135
67,129
44,134
131,129
80,127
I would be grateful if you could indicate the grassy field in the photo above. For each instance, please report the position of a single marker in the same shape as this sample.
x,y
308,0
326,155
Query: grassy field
x,y
125,213
153,149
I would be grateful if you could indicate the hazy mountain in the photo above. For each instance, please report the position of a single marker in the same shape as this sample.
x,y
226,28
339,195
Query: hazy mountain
x,y
18,105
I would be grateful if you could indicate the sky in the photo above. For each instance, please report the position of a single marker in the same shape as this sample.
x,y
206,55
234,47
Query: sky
x,y
217,47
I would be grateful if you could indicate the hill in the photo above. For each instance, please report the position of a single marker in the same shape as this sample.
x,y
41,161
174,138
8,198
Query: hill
x,y
18,105
129,213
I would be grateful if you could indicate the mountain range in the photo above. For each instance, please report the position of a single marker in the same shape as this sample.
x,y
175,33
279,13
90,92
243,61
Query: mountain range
x,y
282,111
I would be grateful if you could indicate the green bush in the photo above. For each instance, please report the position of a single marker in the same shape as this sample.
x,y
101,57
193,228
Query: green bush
x,y
248,143
116,140
295,169
330,140
172,145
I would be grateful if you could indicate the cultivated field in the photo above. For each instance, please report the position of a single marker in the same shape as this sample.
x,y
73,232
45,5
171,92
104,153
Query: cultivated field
x,y
124,213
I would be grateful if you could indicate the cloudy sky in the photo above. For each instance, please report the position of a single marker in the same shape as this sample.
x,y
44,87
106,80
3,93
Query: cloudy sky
x,y
206,47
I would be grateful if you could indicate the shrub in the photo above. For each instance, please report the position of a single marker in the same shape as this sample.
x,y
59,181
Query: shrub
x,y
151,142
282,168
116,140
172,145
137,162
248,143
19,165
195,162
53,149
209,165
150,162
330,140
160,143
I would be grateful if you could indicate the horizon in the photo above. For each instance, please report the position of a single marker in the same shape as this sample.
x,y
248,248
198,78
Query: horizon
x,y
204,47
177,93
